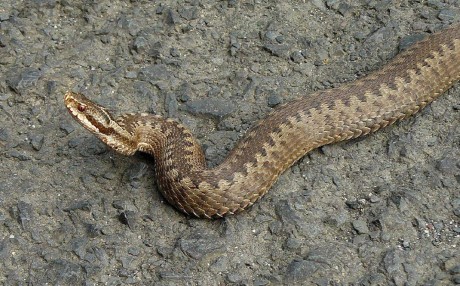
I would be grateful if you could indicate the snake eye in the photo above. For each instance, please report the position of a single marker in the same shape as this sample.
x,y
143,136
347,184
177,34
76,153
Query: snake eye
x,y
81,107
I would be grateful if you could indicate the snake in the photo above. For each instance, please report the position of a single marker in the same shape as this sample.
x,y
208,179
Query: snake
x,y
403,86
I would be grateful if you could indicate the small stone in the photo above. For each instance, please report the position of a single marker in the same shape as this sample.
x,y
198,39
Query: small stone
x,y
109,175
353,204
128,218
25,214
212,107
261,282
147,243
63,272
4,15
80,205
448,165
184,92
134,251
118,204
271,35
154,73
456,279
93,147
234,277
51,86
435,4
319,4
24,80
278,50
275,227
332,4
452,264
235,45
74,142
37,141
3,134
408,41
78,246
393,262
155,50
447,15
137,171
127,263
199,244
188,14
171,105
160,9
287,213
457,211
164,251
374,199
174,52
93,230
172,18
87,180
140,44
232,3
18,155
360,239
297,57
293,244
344,9
455,270
300,270
131,74
406,244
5,252
373,279
67,127
273,100
439,226
360,226
280,39
374,234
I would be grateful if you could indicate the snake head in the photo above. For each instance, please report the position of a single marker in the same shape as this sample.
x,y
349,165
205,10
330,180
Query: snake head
x,y
92,116
99,121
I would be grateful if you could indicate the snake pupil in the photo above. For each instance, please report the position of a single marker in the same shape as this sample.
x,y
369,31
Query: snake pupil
x,y
81,107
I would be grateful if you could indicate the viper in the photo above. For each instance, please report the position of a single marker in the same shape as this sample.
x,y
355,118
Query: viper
x,y
403,86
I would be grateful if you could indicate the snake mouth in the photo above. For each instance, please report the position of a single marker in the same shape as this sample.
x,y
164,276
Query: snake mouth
x,y
69,97
70,102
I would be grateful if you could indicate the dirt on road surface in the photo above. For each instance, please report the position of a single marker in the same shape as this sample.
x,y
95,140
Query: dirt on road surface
x,y
379,210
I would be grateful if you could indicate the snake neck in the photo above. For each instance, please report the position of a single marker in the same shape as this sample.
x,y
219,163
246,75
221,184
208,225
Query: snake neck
x,y
167,140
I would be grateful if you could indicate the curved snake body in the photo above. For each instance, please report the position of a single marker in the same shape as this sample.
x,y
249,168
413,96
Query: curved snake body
x,y
406,84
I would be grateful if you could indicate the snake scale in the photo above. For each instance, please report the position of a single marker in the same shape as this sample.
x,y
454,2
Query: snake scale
x,y
402,87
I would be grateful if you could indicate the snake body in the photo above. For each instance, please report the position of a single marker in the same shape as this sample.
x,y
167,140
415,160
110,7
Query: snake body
x,y
402,87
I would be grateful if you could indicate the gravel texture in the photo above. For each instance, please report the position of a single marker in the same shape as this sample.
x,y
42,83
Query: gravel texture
x,y
380,210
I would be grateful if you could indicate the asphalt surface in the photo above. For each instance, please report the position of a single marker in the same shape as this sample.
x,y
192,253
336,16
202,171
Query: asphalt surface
x,y
379,210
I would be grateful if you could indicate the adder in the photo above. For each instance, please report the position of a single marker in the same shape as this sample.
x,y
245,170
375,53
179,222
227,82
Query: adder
x,y
399,89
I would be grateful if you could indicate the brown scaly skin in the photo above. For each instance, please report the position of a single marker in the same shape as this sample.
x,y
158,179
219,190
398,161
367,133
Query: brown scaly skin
x,y
406,84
